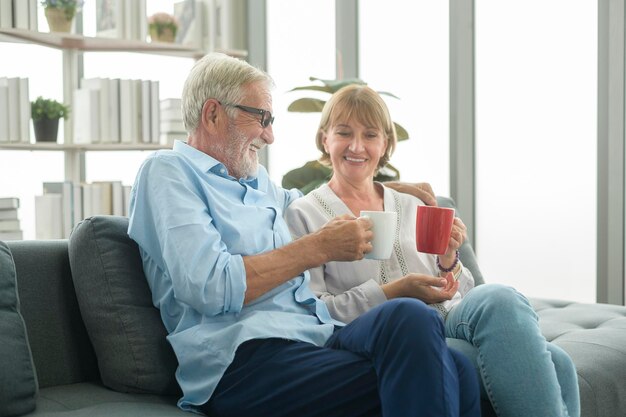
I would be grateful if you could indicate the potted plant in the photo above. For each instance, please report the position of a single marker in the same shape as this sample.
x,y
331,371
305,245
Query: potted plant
x,y
313,174
60,13
162,27
46,114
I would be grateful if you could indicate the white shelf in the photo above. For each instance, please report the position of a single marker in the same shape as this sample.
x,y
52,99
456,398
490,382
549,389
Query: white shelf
x,y
90,44
52,146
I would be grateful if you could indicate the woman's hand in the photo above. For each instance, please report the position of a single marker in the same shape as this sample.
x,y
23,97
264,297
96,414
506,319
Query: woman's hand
x,y
457,237
427,288
421,190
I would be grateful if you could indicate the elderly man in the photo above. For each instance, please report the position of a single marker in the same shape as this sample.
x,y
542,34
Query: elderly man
x,y
250,337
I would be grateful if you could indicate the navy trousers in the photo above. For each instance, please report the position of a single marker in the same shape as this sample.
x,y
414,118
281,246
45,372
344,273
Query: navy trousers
x,y
392,361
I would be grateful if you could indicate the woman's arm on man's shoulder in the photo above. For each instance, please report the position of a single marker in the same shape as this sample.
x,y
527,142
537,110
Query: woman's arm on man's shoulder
x,y
421,190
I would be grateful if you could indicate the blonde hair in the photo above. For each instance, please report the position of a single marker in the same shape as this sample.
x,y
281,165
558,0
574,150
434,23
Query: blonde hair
x,y
367,107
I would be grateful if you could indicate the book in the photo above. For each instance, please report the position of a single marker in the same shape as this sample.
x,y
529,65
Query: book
x,y
24,111
114,109
128,111
172,126
144,114
117,198
8,214
97,198
66,190
86,115
87,193
209,25
130,17
4,114
126,189
15,235
135,20
77,210
104,203
9,203
48,216
142,23
32,15
171,114
6,14
12,85
110,18
21,15
102,86
171,103
189,16
155,114
9,225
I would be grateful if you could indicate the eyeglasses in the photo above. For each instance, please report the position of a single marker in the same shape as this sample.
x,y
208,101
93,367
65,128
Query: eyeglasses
x,y
266,116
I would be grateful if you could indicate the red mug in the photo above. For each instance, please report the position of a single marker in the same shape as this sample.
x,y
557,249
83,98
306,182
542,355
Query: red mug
x,y
432,229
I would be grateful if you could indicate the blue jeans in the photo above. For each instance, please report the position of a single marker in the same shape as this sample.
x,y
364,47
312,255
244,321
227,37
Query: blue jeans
x,y
391,361
523,375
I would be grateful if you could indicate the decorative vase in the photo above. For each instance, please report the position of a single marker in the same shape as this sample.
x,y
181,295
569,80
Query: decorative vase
x,y
163,35
46,130
57,20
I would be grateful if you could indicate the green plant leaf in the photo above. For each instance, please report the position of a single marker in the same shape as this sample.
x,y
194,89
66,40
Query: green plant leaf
x,y
387,173
322,88
401,132
302,178
307,105
335,85
385,93
43,108
313,174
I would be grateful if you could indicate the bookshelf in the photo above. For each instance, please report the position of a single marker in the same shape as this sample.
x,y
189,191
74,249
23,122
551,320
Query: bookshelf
x,y
72,46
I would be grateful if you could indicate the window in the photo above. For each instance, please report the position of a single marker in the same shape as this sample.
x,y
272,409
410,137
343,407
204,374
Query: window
x,y
404,50
301,44
536,136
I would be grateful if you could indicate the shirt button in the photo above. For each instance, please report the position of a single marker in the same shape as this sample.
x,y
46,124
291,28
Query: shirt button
x,y
222,171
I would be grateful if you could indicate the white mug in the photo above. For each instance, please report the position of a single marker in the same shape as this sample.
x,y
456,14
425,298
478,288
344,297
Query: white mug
x,y
384,229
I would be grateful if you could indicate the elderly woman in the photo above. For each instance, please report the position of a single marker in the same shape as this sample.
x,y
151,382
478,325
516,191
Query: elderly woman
x,y
522,373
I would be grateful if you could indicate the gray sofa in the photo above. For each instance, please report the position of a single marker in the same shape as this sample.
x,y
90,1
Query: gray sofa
x,y
98,347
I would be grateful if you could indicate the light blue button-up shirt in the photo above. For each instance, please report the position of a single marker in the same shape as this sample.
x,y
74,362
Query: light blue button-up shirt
x,y
193,224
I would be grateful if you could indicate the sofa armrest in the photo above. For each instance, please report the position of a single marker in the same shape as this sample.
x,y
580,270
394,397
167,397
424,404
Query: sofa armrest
x,y
61,349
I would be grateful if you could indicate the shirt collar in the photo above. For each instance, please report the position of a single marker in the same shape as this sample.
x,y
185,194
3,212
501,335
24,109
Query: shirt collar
x,y
207,163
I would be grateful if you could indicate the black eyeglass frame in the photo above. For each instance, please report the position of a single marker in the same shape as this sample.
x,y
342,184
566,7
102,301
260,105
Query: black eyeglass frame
x,y
266,116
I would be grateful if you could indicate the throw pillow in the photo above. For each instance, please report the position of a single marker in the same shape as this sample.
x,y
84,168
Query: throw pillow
x,y
125,328
18,383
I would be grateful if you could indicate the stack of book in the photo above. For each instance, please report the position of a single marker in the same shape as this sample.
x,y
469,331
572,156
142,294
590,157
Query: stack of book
x,y
64,204
171,121
10,228
14,110
20,14
116,111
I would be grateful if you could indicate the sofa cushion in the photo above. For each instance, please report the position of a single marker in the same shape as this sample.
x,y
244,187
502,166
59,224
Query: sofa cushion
x,y
18,384
595,338
116,304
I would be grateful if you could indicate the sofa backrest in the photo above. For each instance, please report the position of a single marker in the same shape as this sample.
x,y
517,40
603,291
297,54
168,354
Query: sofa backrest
x,y
61,349
115,301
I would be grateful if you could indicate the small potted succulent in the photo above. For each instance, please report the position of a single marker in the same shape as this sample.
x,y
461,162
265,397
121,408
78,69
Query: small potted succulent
x,y
162,27
60,13
46,114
